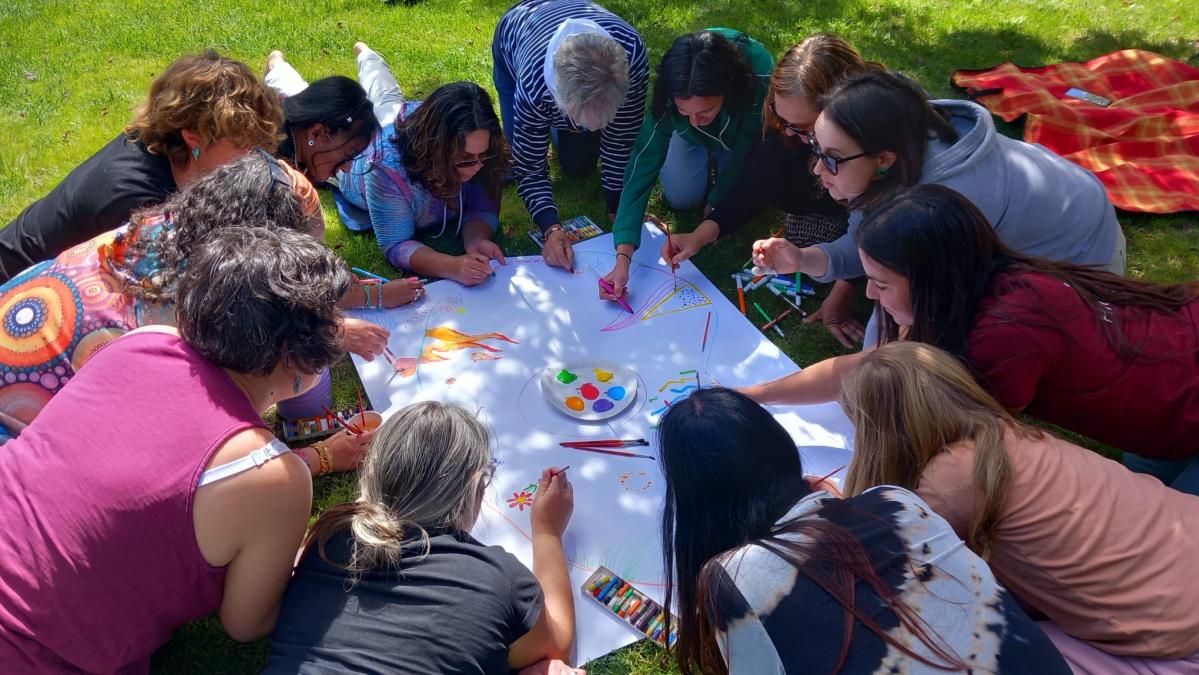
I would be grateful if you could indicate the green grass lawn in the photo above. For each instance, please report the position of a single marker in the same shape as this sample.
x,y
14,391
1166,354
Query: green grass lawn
x,y
72,72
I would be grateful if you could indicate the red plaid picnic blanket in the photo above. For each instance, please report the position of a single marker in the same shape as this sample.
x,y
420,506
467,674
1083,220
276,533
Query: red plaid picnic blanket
x,y
1144,146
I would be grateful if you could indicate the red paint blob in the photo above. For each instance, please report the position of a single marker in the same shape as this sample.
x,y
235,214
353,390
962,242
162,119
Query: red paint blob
x,y
589,391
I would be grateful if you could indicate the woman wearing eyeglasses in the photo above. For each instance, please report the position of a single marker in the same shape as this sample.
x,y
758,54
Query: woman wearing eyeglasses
x,y
778,172
438,167
878,133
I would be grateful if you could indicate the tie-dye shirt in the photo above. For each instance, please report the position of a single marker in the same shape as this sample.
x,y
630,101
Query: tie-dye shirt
x,y
778,621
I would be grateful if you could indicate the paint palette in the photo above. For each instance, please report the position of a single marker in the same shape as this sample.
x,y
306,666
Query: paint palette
x,y
591,390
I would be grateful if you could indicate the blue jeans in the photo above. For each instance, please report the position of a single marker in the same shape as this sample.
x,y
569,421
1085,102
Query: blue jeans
x,y
578,151
685,173
1182,474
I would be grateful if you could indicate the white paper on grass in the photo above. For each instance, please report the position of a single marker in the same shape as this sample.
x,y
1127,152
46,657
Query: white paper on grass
x,y
552,316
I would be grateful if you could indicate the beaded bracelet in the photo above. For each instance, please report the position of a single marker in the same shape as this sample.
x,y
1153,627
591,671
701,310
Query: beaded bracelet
x,y
322,453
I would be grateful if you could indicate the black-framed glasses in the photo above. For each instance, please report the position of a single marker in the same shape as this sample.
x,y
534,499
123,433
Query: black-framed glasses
x,y
831,163
468,163
805,134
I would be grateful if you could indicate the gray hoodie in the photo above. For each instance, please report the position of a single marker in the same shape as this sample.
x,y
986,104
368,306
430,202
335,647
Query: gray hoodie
x,y
1038,203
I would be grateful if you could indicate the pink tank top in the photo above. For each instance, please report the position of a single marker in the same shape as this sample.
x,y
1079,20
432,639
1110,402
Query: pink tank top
x,y
98,556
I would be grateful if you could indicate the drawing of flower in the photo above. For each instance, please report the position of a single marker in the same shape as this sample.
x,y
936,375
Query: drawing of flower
x,y
520,500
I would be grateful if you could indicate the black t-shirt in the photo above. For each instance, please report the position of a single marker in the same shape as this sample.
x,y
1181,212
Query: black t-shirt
x,y
457,610
777,173
96,197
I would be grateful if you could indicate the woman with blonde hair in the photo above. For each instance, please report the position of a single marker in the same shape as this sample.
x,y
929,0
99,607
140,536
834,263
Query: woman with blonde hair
x,y
397,567
779,170
203,111
1104,553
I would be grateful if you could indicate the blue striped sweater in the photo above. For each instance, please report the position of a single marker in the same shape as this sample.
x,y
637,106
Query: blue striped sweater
x,y
521,39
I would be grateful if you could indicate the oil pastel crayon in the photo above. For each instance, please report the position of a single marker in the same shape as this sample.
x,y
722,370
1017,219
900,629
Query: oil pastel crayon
x,y
608,587
597,584
618,598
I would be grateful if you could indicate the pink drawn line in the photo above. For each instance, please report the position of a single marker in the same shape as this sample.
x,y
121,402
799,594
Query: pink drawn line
x,y
572,563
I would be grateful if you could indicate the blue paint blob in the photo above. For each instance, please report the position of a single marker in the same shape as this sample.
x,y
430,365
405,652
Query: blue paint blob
x,y
615,393
602,406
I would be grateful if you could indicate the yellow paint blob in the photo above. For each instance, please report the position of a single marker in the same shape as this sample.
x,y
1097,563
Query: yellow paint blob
x,y
602,375
575,403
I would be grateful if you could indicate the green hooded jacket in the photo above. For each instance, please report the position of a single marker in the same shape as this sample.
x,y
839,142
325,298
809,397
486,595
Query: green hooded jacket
x,y
736,132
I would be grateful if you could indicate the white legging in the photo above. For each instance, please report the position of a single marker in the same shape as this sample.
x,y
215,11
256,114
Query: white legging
x,y
373,74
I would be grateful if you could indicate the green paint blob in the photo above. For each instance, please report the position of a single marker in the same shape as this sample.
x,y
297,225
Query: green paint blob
x,y
566,377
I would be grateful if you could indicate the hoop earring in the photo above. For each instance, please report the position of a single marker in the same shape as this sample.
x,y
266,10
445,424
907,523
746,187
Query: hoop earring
x,y
295,387
311,142
196,152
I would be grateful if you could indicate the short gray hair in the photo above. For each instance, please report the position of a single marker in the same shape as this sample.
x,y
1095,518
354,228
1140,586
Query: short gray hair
x,y
426,470
592,78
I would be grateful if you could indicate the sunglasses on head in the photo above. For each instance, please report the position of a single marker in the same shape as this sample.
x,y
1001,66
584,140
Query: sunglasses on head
x,y
468,163
831,163
279,177
805,134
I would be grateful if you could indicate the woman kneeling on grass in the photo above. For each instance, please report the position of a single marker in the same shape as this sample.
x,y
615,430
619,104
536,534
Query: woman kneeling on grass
x,y
769,576
149,492
1112,358
1104,553
394,583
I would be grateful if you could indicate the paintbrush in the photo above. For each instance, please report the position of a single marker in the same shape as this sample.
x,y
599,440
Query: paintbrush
x,y
620,453
751,258
704,346
555,473
613,443
828,475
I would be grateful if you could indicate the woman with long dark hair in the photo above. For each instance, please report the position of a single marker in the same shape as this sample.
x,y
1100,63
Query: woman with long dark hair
x,y
878,134
1112,358
767,575
706,104
438,167
778,171
1054,520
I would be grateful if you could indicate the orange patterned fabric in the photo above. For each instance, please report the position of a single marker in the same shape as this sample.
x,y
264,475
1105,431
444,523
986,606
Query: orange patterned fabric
x,y
1144,146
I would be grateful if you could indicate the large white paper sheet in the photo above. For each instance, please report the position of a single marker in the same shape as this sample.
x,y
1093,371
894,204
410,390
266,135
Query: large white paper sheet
x,y
486,348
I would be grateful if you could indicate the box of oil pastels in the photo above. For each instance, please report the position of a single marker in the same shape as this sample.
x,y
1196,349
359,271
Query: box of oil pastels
x,y
631,606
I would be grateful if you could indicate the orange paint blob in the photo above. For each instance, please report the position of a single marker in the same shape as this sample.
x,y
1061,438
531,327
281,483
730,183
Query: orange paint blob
x,y
575,403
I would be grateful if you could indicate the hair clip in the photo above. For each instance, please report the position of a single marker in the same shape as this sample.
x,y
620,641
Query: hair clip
x,y
349,119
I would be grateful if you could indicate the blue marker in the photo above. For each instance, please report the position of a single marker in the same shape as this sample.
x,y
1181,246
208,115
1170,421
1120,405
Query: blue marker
x,y
372,275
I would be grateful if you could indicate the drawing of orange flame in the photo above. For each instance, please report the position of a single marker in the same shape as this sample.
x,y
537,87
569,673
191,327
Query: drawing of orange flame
x,y
446,339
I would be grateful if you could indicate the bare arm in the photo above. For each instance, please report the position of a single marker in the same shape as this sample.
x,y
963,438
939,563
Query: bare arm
x,y
818,383
253,522
553,634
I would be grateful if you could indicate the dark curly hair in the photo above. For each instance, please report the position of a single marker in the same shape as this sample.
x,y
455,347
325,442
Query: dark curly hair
x,y
245,191
435,134
705,63
253,297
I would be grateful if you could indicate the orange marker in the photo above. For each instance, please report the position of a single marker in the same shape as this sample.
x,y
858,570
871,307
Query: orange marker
x,y
741,295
